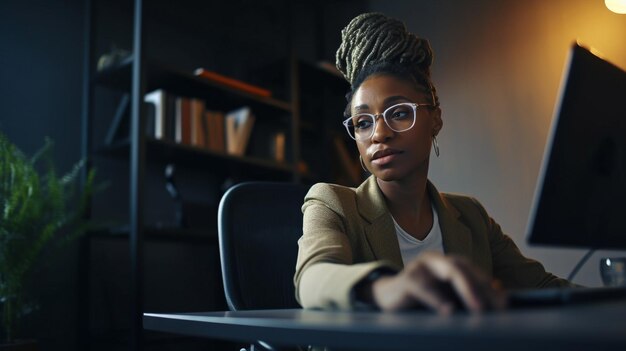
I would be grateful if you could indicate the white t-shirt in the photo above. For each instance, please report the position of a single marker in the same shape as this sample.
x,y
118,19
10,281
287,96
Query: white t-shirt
x,y
411,247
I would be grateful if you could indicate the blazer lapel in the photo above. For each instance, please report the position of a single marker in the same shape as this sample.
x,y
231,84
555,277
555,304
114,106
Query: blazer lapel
x,y
456,236
378,225
380,231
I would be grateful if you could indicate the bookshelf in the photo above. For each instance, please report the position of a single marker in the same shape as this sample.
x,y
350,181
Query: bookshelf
x,y
306,104
216,96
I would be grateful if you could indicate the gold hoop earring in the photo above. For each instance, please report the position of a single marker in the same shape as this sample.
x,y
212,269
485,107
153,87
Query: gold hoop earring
x,y
363,164
436,145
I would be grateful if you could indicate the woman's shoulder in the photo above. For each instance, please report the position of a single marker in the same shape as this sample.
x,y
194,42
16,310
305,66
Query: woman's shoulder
x,y
340,199
330,191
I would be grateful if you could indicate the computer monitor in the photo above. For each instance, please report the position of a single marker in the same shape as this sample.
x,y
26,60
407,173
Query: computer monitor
x,y
580,199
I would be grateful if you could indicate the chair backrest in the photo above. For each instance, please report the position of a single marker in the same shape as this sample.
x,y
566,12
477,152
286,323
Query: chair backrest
x,y
259,224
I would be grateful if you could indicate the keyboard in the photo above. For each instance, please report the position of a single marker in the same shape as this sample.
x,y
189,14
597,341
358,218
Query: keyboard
x,y
564,296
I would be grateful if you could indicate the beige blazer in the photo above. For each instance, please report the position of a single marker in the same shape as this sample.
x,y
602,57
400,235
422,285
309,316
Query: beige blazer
x,y
348,233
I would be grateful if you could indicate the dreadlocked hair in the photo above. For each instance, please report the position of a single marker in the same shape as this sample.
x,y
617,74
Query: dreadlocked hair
x,y
373,43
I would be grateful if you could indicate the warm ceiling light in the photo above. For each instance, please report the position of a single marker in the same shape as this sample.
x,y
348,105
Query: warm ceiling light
x,y
617,6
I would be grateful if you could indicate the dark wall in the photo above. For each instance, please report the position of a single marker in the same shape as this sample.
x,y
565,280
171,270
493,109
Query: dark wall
x,y
40,74
40,94
41,66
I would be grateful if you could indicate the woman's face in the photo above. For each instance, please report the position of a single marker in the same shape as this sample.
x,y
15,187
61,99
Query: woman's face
x,y
391,155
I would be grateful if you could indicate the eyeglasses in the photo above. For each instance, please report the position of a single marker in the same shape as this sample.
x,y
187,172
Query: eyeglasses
x,y
399,118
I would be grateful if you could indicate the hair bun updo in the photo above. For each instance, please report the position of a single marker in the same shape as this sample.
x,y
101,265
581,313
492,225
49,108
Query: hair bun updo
x,y
373,38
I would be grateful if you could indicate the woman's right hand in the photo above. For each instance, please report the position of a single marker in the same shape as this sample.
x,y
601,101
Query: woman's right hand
x,y
442,283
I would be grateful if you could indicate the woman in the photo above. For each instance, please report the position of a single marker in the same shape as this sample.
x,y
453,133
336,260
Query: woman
x,y
395,242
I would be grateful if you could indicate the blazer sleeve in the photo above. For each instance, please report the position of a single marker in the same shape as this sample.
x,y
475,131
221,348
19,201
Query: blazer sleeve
x,y
325,270
510,266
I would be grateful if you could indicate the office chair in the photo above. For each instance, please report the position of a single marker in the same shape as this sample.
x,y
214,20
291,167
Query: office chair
x,y
259,224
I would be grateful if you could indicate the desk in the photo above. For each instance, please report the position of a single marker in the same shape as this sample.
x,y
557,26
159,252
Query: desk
x,y
594,327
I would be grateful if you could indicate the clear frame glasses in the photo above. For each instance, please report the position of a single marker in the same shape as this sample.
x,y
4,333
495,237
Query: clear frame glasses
x,y
399,118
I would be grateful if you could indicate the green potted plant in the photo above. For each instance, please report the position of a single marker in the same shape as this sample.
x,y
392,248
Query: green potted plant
x,y
37,208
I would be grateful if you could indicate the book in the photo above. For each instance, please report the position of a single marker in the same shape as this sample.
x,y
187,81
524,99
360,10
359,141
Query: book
x,y
233,83
182,125
230,134
215,131
238,130
158,99
278,147
243,134
206,129
197,115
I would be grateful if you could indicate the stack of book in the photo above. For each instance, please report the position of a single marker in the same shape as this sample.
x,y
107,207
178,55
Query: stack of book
x,y
188,121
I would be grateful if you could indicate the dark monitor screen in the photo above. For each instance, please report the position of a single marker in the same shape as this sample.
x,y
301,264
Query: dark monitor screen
x,y
580,199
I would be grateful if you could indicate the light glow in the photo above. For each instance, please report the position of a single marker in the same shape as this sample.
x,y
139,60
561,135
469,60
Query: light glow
x,y
617,6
